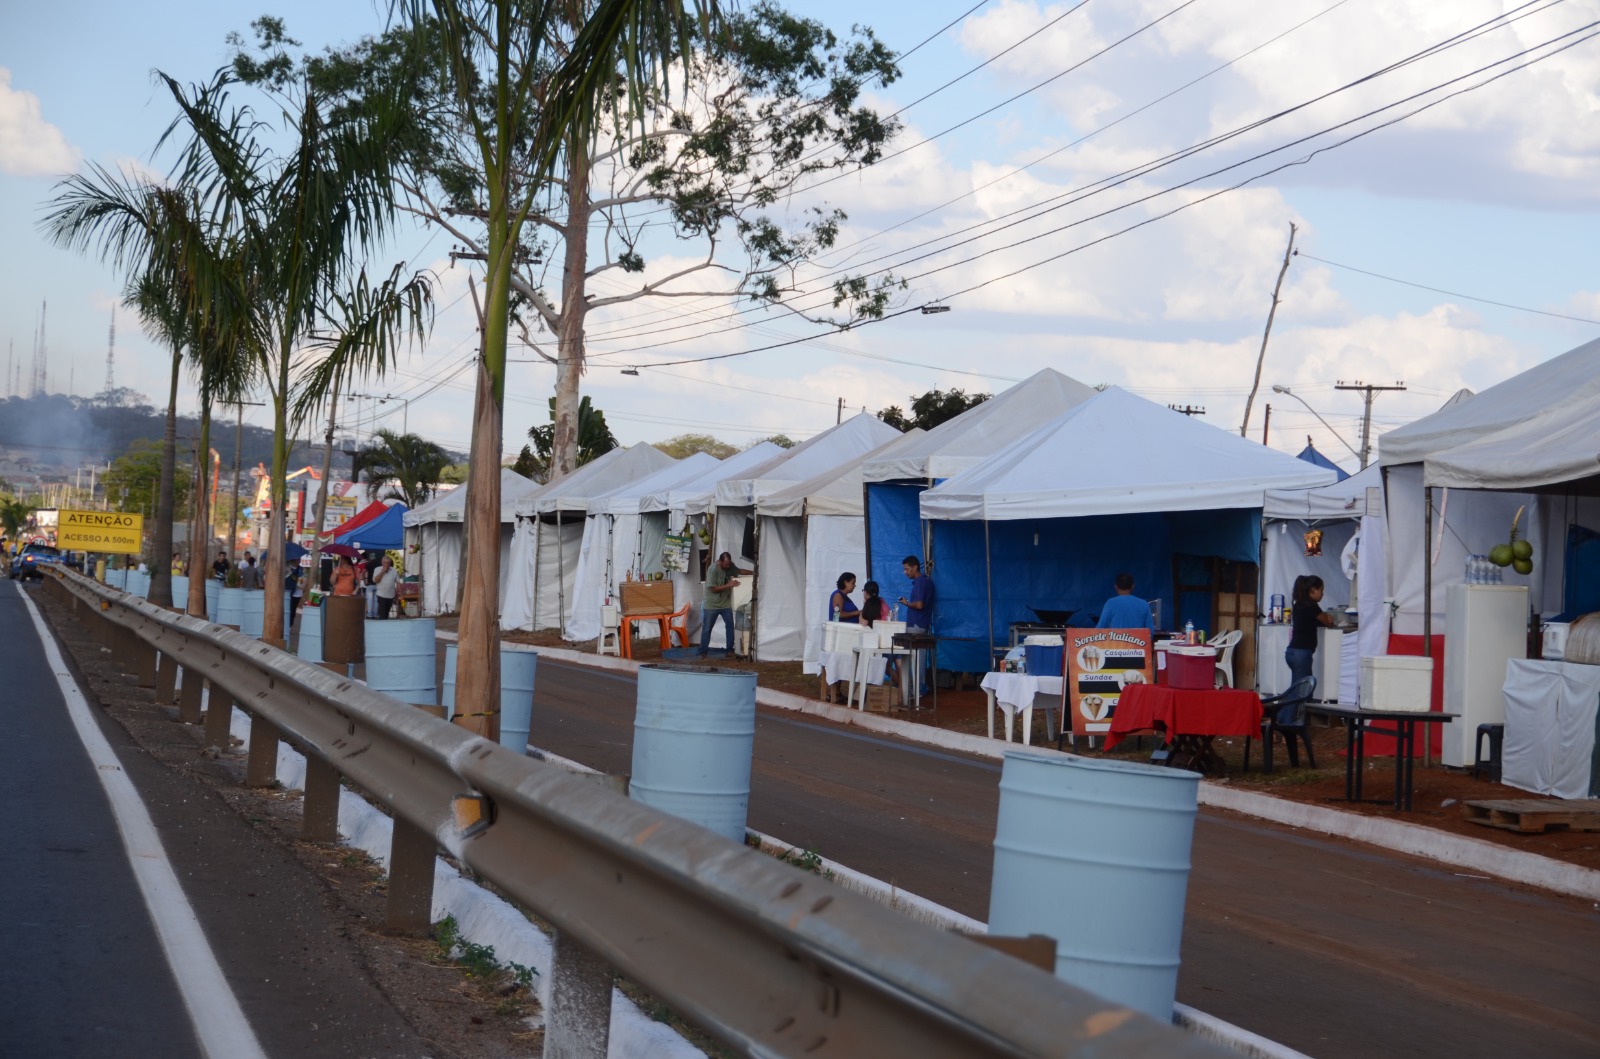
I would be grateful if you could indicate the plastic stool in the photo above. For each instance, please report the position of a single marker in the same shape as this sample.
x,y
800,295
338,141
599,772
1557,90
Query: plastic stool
x,y
1491,765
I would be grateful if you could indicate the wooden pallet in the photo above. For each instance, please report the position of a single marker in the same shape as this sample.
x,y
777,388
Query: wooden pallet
x,y
1534,815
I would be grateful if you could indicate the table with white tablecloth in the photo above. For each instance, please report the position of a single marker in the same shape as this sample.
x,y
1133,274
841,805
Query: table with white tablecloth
x,y
1013,692
1549,742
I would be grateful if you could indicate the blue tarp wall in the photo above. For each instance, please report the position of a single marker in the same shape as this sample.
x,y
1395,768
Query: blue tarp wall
x,y
894,531
1066,564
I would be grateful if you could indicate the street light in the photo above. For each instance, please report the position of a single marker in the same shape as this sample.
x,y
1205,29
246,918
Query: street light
x,y
1290,393
405,409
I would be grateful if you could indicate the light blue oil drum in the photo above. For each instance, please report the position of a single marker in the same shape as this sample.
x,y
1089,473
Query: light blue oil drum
x,y
252,612
230,607
117,579
310,646
213,598
180,593
693,735
1096,855
518,667
139,584
401,660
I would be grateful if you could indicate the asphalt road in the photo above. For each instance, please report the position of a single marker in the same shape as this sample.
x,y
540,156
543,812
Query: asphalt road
x,y
1332,948
81,970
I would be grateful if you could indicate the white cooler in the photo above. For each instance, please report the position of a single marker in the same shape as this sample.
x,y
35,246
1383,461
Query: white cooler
x,y
886,631
843,635
1396,682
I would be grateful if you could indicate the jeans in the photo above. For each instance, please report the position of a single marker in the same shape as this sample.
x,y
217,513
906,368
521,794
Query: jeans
x,y
1299,662
708,618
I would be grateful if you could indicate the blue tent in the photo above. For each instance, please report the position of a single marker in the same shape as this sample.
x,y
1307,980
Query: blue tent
x,y
1312,456
383,533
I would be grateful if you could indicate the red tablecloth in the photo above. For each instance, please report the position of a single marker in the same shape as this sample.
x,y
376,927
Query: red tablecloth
x,y
1182,712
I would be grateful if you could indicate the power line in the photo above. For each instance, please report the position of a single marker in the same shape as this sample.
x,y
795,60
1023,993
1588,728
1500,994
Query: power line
x,y
1450,293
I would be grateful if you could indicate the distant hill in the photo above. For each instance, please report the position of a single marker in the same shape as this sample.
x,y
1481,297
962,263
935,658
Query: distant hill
x,y
55,430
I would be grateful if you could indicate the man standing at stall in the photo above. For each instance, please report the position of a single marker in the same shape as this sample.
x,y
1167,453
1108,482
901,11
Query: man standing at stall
x,y
919,608
720,583
1125,610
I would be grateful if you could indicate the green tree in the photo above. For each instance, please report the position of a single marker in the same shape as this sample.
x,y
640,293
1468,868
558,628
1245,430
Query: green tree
x,y
932,408
455,474
688,444
14,516
594,439
783,441
133,484
407,465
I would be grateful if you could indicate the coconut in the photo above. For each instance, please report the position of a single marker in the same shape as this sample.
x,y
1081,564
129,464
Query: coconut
x,y
1501,555
1521,549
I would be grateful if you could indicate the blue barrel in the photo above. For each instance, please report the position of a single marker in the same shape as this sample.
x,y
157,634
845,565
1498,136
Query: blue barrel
x,y
401,659
180,593
310,647
139,584
1096,855
252,612
117,578
693,735
213,598
230,607
518,667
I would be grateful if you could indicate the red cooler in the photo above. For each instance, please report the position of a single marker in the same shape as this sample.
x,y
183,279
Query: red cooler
x,y
1193,668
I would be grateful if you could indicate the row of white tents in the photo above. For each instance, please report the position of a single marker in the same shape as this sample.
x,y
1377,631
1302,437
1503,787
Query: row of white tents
x,y
1034,499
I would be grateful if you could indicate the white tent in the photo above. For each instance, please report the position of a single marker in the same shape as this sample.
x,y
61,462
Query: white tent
x,y
434,537
549,530
619,537
1118,454
1351,510
811,533
699,495
1116,484
1480,483
956,444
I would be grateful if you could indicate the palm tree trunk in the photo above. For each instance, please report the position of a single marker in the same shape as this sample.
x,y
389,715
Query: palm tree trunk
x,y
199,521
160,562
278,491
574,310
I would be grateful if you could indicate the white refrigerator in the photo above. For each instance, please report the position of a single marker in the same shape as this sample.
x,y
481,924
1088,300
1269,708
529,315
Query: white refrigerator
x,y
1485,627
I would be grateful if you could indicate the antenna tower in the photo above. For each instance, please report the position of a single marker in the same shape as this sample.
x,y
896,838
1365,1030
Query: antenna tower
x,y
111,355
41,374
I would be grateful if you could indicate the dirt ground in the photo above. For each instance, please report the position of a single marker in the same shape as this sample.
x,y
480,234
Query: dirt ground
x,y
1438,796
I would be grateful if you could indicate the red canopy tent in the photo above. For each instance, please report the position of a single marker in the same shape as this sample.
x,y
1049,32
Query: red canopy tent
x,y
362,517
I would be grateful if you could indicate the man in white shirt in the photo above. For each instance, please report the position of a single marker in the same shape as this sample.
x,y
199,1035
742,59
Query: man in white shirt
x,y
388,584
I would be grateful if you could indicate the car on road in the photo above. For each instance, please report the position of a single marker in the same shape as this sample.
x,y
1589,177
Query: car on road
x,y
32,559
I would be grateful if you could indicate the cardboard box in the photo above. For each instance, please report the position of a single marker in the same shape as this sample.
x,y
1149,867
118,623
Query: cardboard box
x,y
881,698
647,597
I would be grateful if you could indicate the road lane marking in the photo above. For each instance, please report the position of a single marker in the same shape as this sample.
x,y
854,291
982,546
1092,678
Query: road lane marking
x,y
219,1023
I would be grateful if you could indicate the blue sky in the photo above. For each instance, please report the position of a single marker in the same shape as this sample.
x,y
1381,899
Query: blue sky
x,y
1493,194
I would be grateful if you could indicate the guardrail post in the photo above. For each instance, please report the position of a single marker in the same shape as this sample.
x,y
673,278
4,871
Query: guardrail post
x,y
411,853
319,813
261,767
166,679
142,655
578,1021
189,695
219,715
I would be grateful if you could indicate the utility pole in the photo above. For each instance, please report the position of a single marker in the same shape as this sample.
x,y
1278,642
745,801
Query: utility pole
x,y
1368,391
1188,409
322,491
1265,423
1261,357
839,418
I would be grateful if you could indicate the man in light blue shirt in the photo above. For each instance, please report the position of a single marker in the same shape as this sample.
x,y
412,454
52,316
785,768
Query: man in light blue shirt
x,y
1125,610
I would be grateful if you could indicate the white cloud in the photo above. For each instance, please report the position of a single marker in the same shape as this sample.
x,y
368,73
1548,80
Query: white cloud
x,y
29,145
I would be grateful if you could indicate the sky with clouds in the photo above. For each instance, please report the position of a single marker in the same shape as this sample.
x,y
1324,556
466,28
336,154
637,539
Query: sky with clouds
x,y
1101,188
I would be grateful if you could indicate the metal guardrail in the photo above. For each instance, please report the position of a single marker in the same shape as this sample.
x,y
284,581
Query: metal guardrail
x,y
768,959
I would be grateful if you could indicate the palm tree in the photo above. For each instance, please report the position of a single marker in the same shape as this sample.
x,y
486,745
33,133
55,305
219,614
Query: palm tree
x,y
526,90
301,221
14,516
407,464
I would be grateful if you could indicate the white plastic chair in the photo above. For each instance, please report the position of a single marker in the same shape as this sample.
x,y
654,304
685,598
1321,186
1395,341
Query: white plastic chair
x,y
1225,643
610,641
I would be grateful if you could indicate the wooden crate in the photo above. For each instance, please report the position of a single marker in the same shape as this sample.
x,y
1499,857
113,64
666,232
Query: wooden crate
x,y
1533,815
647,597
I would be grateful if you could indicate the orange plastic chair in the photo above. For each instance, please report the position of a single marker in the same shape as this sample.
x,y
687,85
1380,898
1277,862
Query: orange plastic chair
x,y
678,626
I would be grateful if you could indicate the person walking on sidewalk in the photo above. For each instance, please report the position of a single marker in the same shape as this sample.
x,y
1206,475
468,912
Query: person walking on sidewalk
x,y
388,583
721,580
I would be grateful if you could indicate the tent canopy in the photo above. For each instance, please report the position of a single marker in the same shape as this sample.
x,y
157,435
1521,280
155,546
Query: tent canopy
x,y
1573,376
1119,454
956,444
629,498
616,468
833,492
360,518
451,506
825,452
383,533
1559,447
1312,456
1344,499
699,494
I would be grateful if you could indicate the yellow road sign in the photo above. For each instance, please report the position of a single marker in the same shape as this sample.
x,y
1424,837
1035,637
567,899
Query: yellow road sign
x,y
100,531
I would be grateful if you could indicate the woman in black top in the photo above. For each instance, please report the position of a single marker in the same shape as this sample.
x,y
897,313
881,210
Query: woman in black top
x,y
1305,616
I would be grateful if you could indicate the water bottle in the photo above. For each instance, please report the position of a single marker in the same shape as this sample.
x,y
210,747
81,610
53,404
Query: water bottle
x,y
836,611
1472,570
1188,632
